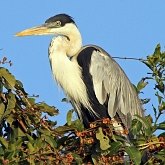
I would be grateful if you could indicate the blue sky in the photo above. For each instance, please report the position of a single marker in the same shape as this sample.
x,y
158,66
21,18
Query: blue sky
x,y
122,27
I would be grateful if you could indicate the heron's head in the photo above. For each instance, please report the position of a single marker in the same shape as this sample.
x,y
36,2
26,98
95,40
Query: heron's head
x,y
61,24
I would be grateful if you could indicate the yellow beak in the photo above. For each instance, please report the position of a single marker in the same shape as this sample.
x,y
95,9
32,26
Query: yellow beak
x,y
39,30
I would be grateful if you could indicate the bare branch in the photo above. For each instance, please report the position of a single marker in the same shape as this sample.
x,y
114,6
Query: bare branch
x,y
130,58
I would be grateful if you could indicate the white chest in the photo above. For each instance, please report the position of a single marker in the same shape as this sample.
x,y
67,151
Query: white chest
x,y
68,75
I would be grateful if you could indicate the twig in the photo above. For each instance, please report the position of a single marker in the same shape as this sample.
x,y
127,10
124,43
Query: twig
x,y
21,94
146,145
130,58
22,125
157,118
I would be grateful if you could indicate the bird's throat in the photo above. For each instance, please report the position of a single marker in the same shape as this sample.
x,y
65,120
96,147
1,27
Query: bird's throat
x,y
75,44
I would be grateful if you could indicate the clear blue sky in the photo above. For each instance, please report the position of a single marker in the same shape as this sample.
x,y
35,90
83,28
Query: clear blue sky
x,y
122,27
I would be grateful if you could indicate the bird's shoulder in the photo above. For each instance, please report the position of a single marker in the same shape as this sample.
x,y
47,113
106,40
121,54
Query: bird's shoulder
x,y
90,49
89,52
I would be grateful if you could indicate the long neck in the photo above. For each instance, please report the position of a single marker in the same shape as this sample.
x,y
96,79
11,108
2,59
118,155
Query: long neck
x,y
69,42
75,42
62,67
67,72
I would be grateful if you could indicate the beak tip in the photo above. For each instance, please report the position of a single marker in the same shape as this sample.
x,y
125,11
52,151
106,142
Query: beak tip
x,y
18,34
38,30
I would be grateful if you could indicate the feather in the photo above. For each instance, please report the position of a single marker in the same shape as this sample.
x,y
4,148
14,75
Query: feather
x,y
110,80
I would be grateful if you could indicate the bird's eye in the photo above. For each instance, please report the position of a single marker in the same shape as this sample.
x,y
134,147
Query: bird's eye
x,y
58,23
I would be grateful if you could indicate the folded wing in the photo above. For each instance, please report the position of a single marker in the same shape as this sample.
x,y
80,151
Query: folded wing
x,y
113,88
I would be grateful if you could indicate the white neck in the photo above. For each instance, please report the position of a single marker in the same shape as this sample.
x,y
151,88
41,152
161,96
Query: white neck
x,y
67,72
69,39
75,42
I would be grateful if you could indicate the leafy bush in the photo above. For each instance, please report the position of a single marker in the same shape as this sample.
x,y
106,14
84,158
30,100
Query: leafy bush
x,y
28,136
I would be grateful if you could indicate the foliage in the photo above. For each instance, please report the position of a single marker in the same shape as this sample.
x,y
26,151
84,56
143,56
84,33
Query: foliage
x,y
28,136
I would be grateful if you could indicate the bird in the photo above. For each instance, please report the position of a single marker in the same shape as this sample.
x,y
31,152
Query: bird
x,y
93,81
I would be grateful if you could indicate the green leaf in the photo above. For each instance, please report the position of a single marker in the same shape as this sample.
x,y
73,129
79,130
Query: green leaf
x,y
1,151
2,110
155,111
44,131
157,49
1,87
77,125
160,98
31,100
94,158
19,86
115,146
162,134
77,158
140,140
11,103
118,138
10,118
135,127
63,129
30,147
39,143
147,63
31,160
160,155
134,154
31,140
11,146
146,124
69,117
162,107
104,140
50,110
3,142
161,125
11,155
19,142
50,140
160,86
52,123
145,101
141,84
4,73
65,100
19,132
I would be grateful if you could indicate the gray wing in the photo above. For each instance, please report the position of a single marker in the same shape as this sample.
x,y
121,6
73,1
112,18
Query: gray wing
x,y
112,86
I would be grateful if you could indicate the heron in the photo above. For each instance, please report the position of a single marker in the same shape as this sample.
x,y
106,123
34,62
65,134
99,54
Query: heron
x,y
95,84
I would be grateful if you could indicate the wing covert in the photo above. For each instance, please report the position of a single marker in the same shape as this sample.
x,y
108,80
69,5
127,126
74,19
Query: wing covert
x,y
112,87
